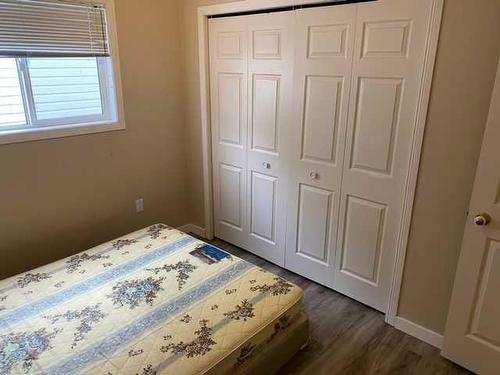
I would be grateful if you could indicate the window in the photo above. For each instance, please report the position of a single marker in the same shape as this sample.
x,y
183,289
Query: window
x,y
57,76
53,91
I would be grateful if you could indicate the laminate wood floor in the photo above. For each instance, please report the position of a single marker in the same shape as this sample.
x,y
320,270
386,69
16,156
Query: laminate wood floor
x,y
348,337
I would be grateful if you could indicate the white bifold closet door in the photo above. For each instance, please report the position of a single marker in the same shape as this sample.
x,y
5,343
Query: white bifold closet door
x,y
386,86
323,65
357,84
313,116
251,62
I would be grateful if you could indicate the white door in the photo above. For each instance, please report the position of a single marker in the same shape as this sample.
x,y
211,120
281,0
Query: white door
x,y
324,40
357,84
313,117
229,106
472,336
388,67
270,87
251,84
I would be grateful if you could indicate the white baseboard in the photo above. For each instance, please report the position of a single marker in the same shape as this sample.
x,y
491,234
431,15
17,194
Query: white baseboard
x,y
421,333
195,229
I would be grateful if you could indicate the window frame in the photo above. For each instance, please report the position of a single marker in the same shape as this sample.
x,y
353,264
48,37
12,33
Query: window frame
x,y
111,99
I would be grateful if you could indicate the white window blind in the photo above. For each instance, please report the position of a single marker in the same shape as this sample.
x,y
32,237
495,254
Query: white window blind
x,y
49,28
58,76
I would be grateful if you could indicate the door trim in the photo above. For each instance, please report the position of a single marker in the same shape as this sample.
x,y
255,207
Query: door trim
x,y
204,12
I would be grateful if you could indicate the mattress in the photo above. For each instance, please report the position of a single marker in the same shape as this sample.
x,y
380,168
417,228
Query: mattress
x,y
157,301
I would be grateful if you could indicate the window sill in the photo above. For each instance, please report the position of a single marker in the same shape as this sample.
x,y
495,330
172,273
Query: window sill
x,y
51,132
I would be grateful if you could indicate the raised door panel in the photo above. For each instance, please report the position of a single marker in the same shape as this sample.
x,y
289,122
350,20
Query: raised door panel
x,y
263,206
321,116
267,44
484,324
231,195
314,223
327,41
363,236
230,45
377,118
388,39
230,103
265,112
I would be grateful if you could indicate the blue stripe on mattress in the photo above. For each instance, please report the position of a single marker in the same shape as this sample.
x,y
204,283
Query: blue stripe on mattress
x,y
149,322
37,307
64,267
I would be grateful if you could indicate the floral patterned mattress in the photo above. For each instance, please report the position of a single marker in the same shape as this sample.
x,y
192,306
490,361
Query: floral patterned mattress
x,y
156,301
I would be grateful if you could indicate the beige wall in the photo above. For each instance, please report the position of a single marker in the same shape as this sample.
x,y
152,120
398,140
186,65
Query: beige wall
x,y
465,71
61,196
58,197
464,78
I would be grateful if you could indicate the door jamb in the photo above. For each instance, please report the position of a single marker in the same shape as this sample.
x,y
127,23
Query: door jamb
x,y
434,26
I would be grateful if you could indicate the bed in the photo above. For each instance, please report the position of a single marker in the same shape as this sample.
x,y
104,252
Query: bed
x,y
157,301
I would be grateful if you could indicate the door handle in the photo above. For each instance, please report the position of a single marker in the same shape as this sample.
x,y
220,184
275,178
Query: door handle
x,y
266,165
482,219
314,175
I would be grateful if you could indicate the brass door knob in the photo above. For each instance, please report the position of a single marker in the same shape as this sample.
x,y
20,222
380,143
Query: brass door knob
x,y
482,220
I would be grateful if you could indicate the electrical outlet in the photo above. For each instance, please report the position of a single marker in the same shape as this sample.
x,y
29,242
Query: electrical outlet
x,y
139,205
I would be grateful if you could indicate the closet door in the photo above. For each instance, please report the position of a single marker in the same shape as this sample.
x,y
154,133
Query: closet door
x,y
323,62
386,84
270,86
313,116
251,62
228,92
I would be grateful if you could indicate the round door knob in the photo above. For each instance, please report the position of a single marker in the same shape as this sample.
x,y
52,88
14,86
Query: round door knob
x,y
266,165
314,175
482,220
